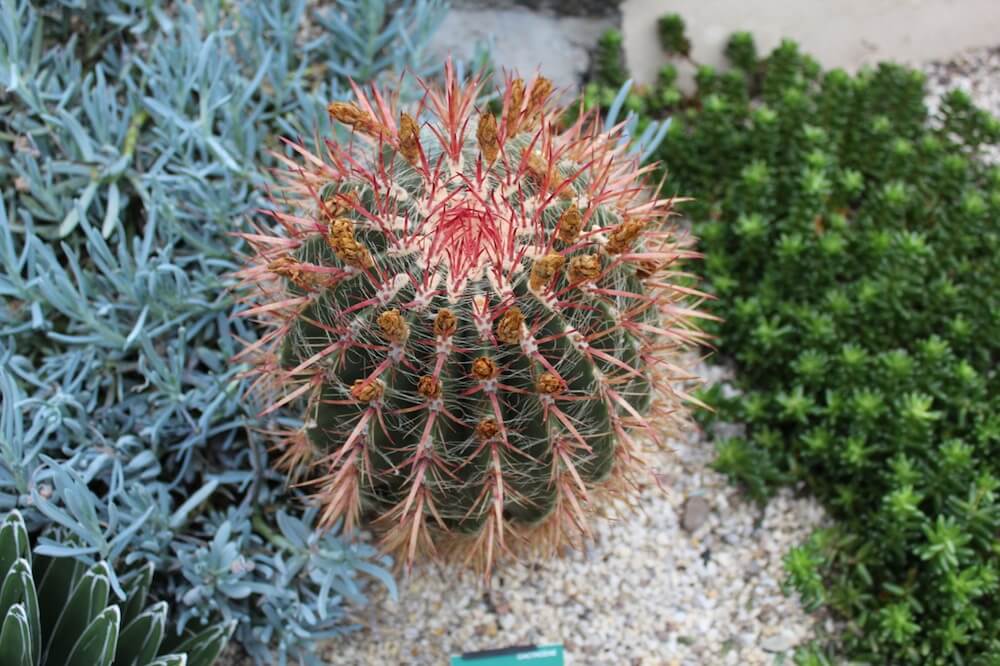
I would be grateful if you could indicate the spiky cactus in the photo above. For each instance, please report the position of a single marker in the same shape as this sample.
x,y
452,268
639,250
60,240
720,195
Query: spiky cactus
x,y
477,312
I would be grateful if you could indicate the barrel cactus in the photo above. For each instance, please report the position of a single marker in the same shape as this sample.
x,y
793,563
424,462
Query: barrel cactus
x,y
54,611
483,317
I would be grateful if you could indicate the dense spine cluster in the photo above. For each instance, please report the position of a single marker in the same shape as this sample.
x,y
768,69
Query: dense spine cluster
x,y
478,312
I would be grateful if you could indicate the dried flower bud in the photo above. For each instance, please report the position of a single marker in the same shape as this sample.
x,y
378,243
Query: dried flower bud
x,y
584,267
429,387
509,326
486,134
513,116
409,138
445,323
544,269
570,224
351,115
541,88
549,384
487,429
623,236
393,326
288,267
350,251
366,391
484,368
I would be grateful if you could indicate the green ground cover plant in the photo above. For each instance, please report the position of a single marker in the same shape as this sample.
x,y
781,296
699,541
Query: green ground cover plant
x,y
851,232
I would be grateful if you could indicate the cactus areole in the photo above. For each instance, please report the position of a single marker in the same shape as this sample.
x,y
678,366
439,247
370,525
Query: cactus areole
x,y
482,317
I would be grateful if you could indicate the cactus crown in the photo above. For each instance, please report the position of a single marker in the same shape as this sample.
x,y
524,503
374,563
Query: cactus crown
x,y
477,313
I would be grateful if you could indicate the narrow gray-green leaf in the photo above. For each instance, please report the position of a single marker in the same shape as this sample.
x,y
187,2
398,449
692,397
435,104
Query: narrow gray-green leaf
x,y
111,214
78,210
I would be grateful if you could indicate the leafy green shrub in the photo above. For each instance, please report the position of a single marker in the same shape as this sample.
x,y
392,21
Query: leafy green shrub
x,y
55,612
609,60
134,139
672,33
853,241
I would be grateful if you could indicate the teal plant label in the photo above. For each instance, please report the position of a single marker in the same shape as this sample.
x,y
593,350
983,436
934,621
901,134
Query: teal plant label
x,y
525,655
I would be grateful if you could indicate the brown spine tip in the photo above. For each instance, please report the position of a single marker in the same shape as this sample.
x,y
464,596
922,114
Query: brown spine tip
x,y
486,134
623,236
484,368
513,116
544,269
549,384
341,240
352,115
393,326
366,391
509,326
584,267
487,429
570,224
429,387
409,139
445,323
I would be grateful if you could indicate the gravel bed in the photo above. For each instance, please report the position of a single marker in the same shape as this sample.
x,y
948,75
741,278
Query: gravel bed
x,y
977,72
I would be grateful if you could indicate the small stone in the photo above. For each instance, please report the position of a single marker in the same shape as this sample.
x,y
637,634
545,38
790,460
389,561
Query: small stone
x,y
779,642
500,604
695,514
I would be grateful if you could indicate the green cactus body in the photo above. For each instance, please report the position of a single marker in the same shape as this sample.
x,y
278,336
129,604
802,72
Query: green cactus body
x,y
478,315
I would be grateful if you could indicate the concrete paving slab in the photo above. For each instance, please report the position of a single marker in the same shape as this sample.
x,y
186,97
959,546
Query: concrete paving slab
x,y
526,40
839,33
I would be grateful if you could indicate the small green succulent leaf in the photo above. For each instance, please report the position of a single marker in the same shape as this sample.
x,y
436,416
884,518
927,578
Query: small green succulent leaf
x,y
89,599
15,638
13,541
204,648
19,589
140,639
96,646
136,590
